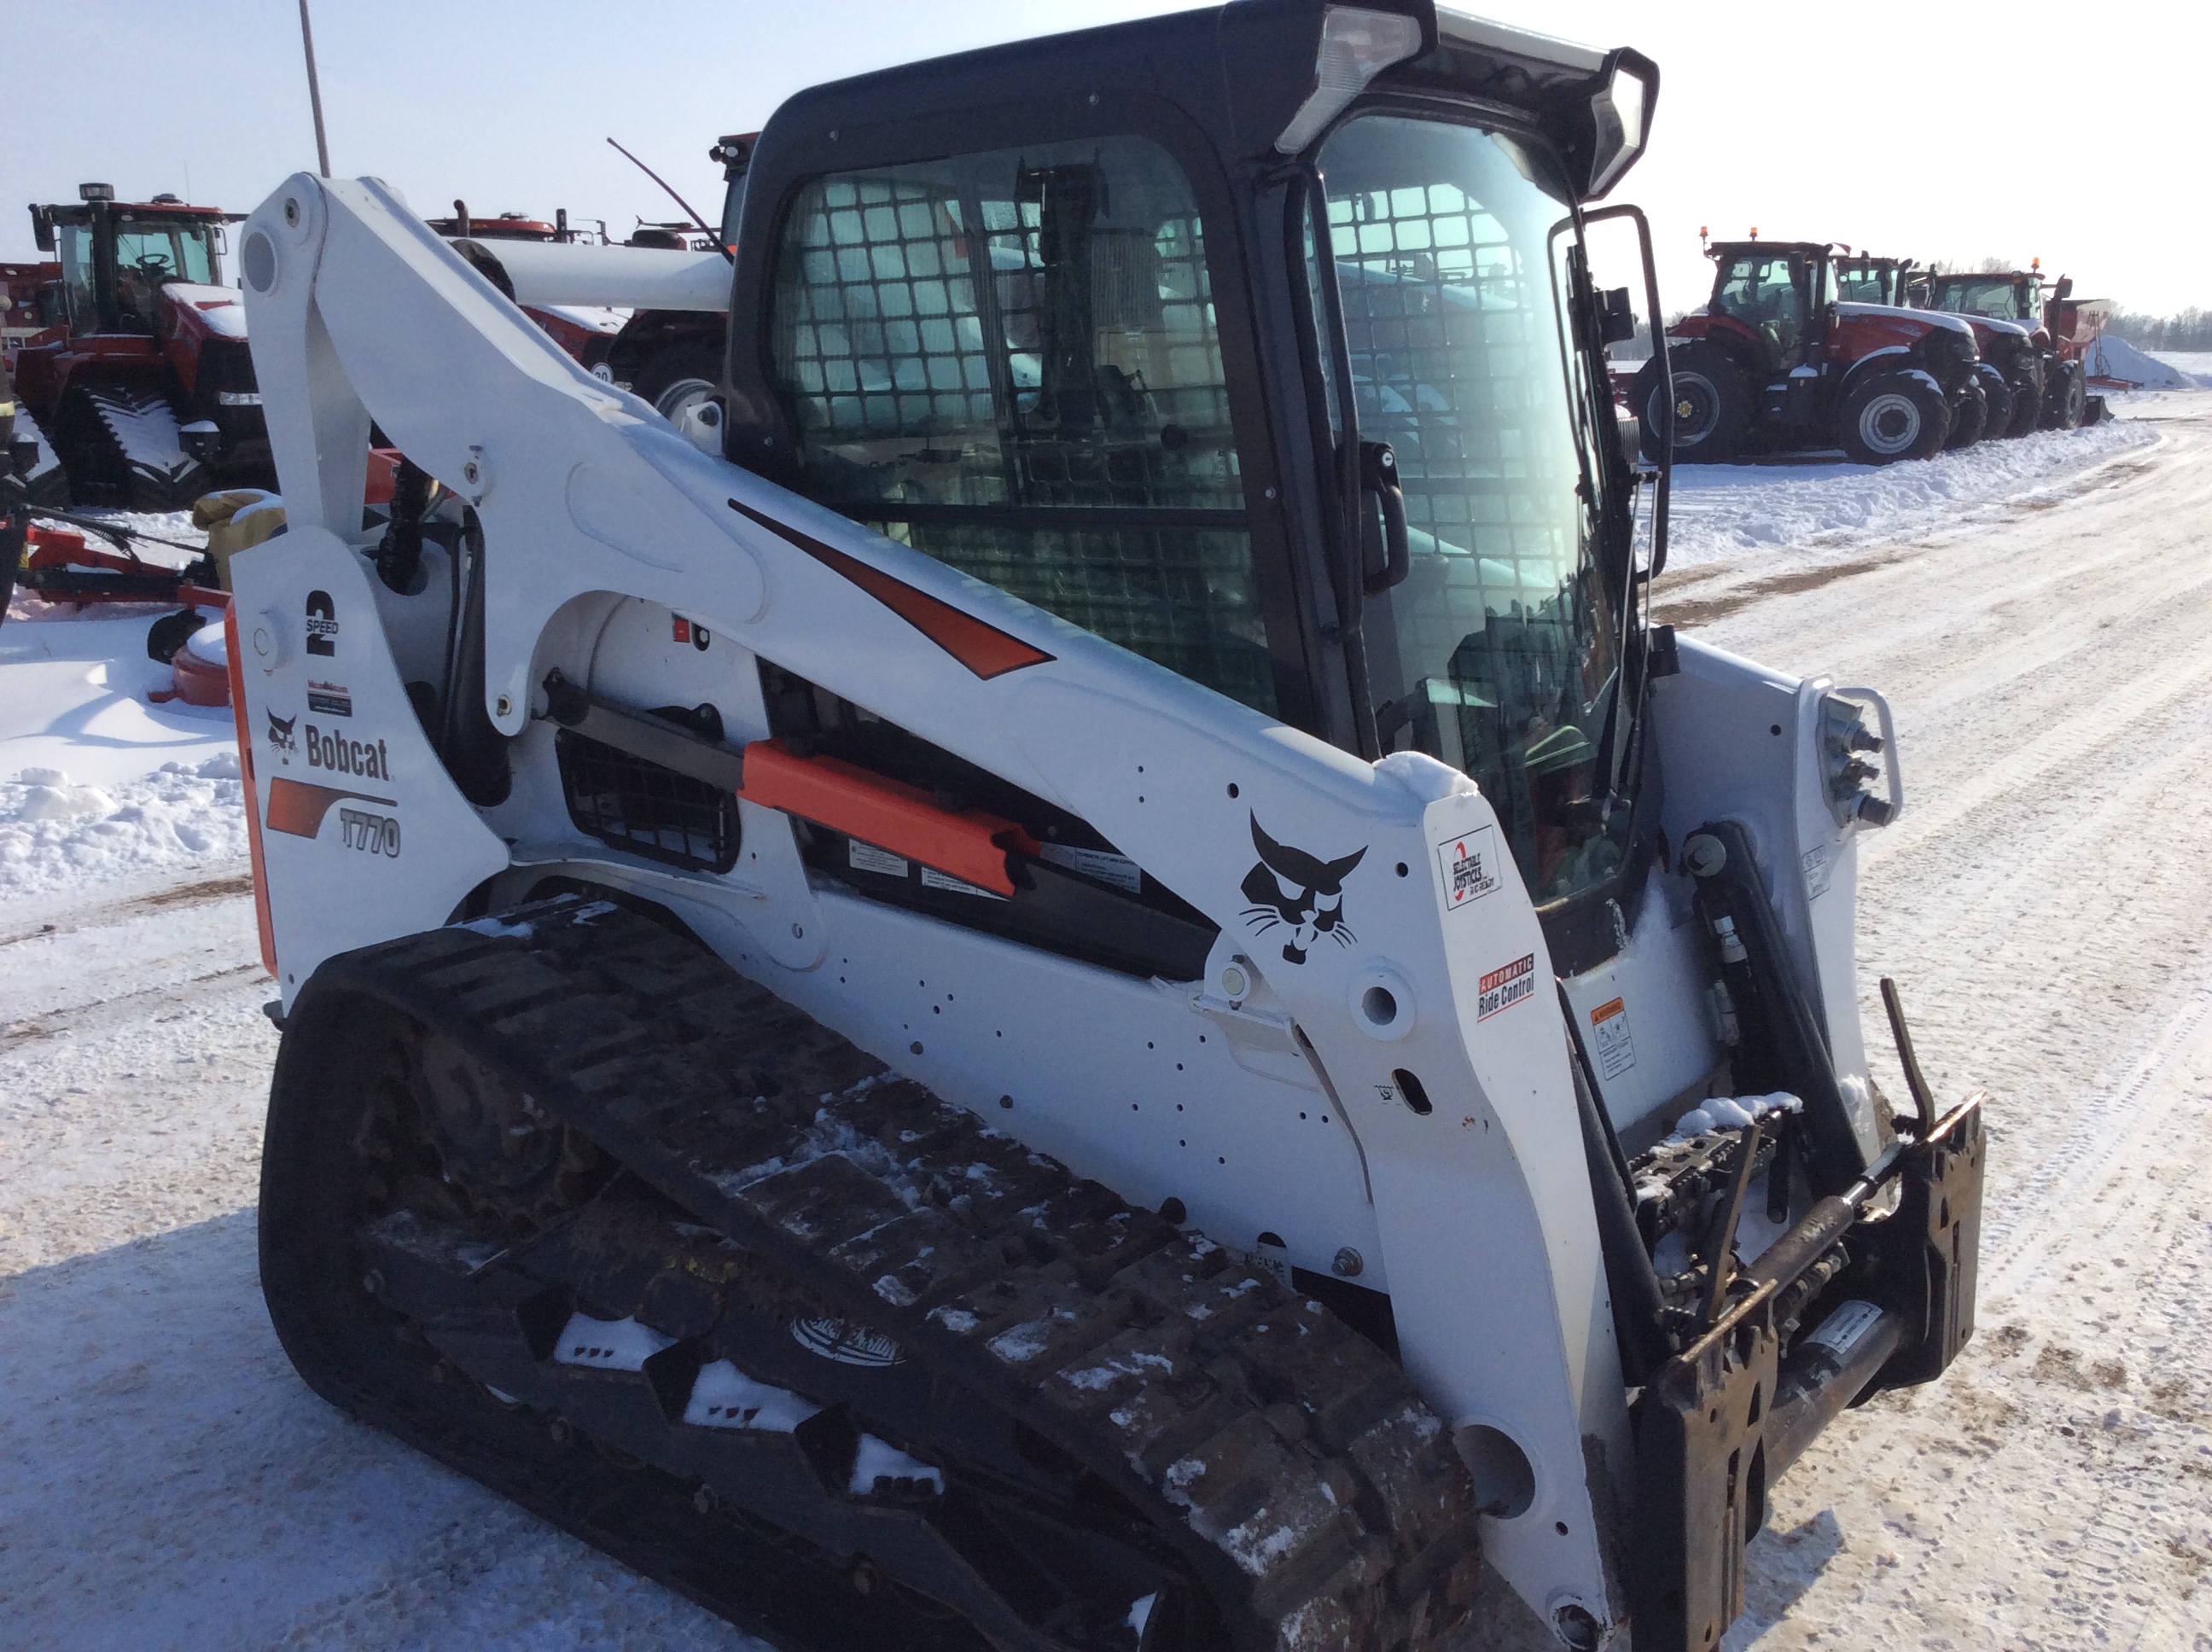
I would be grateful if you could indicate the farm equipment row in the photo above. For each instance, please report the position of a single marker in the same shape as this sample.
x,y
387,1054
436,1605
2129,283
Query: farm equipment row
x,y
132,368
1810,345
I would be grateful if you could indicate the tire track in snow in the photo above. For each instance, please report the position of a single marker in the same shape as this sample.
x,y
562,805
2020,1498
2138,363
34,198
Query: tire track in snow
x,y
2046,896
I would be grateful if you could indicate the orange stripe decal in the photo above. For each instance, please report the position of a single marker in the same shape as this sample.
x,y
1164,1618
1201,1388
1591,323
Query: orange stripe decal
x,y
984,648
261,918
297,808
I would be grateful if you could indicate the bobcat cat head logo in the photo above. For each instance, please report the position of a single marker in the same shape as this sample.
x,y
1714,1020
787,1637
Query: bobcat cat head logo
x,y
1292,888
280,735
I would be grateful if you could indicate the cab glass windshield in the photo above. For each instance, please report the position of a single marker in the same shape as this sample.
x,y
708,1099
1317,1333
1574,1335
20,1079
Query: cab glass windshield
x,y
1864,283
1993,297
146,256
1497,654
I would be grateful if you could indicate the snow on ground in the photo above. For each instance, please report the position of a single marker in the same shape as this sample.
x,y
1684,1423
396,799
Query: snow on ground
x,y
2042,905
1804,510
167,1481
96,781
2197,364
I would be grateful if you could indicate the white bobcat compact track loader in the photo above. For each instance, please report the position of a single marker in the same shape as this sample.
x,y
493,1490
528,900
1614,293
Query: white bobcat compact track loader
x,y
1073,976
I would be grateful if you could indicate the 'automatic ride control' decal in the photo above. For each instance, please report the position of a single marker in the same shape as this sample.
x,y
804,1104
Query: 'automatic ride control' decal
x,y
1505,986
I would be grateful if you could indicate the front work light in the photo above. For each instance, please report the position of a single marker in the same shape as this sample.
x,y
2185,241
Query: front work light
x,y
1620,117
1356,46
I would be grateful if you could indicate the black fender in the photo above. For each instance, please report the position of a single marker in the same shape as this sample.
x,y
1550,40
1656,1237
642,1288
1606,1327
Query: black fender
x,y
1887,357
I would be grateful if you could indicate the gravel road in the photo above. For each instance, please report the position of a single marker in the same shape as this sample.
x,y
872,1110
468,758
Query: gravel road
x,y
165,1480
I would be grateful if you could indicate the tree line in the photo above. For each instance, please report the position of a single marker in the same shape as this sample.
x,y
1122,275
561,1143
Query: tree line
x,y
2189,329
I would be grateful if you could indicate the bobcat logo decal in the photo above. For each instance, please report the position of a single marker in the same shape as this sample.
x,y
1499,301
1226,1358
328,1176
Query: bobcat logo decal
x,y
1292,889
280,735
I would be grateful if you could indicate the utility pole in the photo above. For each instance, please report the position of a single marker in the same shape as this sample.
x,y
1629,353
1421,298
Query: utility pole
x,y
314,90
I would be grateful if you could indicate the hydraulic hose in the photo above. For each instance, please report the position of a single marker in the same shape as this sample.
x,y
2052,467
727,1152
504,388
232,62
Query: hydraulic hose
x,y
474,749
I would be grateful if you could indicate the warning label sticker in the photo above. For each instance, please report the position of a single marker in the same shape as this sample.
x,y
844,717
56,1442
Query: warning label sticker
x,y
1815,862
1469,865
1616,1050
1105,866
1503,988
866,857
933,879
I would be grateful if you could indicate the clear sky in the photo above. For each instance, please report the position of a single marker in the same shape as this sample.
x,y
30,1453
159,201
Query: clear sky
x,y
1940,131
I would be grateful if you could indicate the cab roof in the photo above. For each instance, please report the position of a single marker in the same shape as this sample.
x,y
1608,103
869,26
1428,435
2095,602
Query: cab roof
x,y
1240,71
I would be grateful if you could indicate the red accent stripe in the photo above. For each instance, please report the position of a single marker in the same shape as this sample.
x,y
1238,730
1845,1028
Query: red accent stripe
x,y
246,768
297,808
983,649
888,813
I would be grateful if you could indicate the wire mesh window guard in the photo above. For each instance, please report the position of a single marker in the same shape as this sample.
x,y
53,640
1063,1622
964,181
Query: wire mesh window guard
x,y
1010,361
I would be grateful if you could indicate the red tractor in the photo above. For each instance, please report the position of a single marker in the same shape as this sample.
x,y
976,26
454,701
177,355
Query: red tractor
x,y
1780,358
672,358
141,380
2058,327
2011,370
585,331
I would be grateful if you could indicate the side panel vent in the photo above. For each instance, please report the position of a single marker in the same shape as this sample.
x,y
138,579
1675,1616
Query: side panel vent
x,y
630,804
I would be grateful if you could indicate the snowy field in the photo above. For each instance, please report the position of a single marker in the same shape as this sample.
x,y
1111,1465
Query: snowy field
x,y
2037,612
1797,510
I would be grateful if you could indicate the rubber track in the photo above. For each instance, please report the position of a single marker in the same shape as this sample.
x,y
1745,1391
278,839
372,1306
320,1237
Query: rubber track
x,y
1307,1483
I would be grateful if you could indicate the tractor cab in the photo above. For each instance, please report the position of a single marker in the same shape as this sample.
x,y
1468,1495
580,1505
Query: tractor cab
x,y
1776,294
116,256
1862,279
2000,296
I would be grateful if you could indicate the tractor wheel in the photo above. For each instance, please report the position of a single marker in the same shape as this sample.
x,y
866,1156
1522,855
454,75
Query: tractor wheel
x,y
1713,406
678,376
2028,405
1893,416
120,445
1970,417
2002,404
2069,398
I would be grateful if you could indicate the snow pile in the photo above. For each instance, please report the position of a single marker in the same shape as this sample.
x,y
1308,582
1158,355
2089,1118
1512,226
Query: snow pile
x,y
1721,509
54,830
2116,358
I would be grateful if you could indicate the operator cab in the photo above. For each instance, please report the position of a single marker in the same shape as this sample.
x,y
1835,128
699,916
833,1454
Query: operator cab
x,y
1870,281
1296,390
2008,295
1783,294
116,256
1766,292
